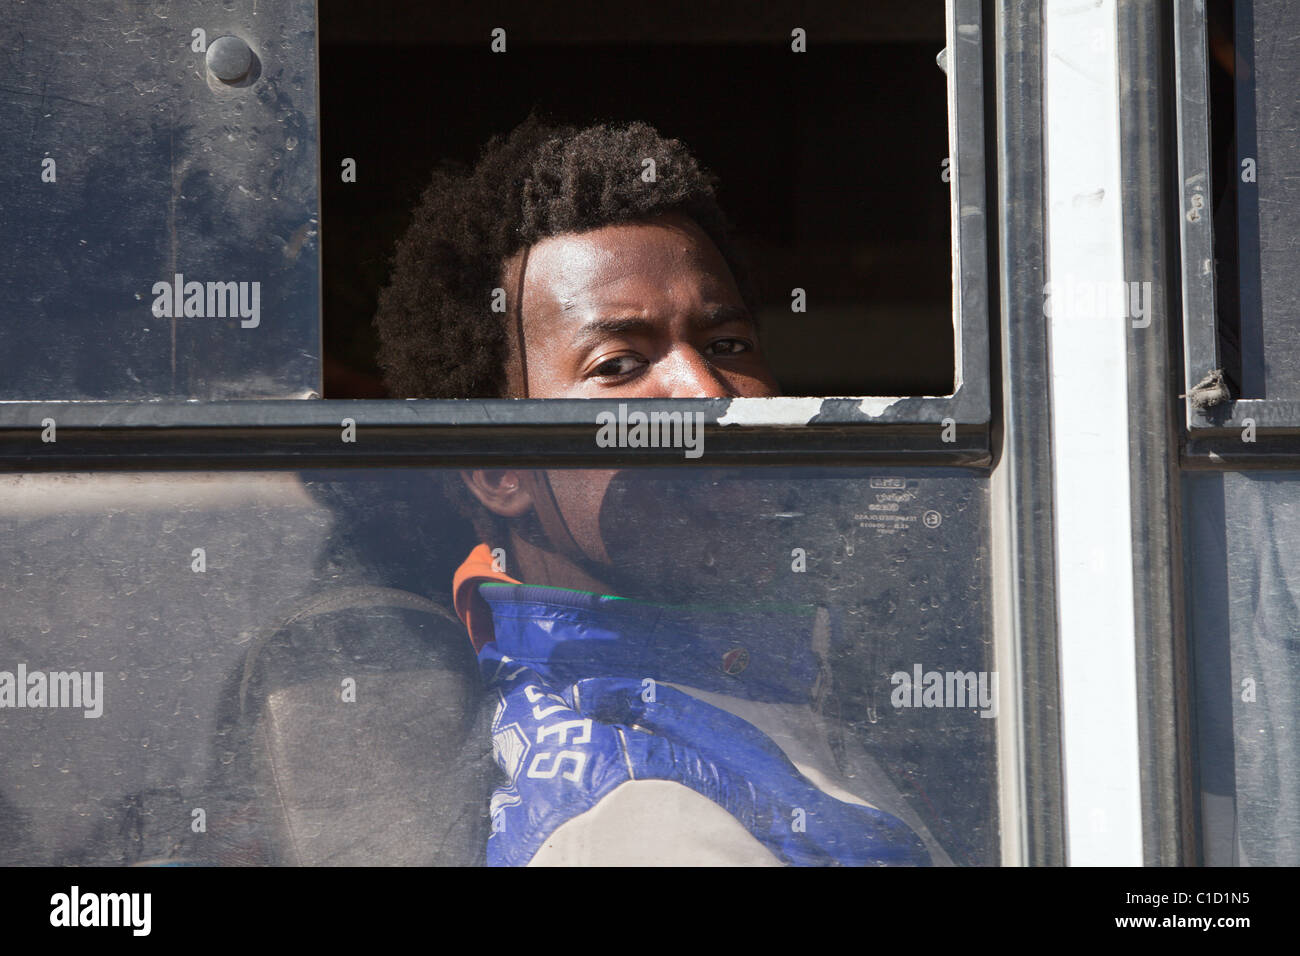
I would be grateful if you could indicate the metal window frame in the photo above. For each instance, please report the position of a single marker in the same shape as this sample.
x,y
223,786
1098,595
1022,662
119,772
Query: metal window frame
x,y
1214,434
1147,102
1032,803
309,434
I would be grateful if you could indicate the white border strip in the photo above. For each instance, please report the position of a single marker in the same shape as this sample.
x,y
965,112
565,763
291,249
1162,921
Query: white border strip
x,y
1088,329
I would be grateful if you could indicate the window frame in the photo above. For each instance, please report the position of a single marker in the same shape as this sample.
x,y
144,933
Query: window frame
x,y
1214,433
848,431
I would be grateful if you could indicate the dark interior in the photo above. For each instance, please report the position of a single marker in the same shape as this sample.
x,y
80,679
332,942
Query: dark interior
x,y
830,161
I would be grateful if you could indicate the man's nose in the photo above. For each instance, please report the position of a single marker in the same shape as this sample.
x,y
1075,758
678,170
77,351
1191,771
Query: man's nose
x,y
688,373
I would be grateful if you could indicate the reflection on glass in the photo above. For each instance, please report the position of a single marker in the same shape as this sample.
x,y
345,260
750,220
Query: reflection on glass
x,y
1243,586
501,666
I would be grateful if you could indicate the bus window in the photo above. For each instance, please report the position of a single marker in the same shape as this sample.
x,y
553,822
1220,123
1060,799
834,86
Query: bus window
x,y
378,667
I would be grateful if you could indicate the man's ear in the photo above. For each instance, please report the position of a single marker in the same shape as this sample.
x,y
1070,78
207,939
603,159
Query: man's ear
x,y
502,491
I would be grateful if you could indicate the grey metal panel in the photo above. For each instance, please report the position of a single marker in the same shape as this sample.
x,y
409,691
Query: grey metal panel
x,y
1024,440
1150,232
1244,605
159,168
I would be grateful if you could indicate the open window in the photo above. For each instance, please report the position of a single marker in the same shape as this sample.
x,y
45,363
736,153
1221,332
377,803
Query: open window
x,y
848,162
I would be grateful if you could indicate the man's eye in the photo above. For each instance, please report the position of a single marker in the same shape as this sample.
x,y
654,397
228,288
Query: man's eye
x,y
729,346
619,365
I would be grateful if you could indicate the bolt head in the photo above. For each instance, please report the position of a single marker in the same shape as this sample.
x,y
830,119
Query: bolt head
x,y
229,58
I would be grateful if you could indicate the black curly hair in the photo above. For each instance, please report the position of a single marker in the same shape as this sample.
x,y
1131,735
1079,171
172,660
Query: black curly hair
x,y
438,336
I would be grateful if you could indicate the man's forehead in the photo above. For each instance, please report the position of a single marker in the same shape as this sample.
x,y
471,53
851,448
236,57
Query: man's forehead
x,y
618,266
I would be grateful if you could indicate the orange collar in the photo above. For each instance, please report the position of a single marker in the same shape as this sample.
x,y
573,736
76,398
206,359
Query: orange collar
x,y
470,607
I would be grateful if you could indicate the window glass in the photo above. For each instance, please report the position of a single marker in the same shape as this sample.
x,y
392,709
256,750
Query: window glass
x,y
1243,585
274,667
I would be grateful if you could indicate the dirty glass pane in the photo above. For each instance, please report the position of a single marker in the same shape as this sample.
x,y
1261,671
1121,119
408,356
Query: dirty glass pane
x,y
159,221
750,665
1243,584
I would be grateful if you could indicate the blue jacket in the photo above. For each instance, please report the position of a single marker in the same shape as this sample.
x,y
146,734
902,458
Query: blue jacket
x,y
584,705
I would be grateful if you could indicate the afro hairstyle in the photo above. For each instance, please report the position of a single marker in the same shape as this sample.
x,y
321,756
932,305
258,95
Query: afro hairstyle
x,y
438,336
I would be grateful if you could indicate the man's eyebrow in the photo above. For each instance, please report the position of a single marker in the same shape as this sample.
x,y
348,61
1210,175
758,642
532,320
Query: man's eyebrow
x,y
711,318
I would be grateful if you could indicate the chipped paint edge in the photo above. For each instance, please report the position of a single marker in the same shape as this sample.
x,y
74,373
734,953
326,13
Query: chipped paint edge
x,y
771,411
798,411
875,407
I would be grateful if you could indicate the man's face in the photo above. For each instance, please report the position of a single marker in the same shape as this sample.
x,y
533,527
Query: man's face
x,y
643,310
